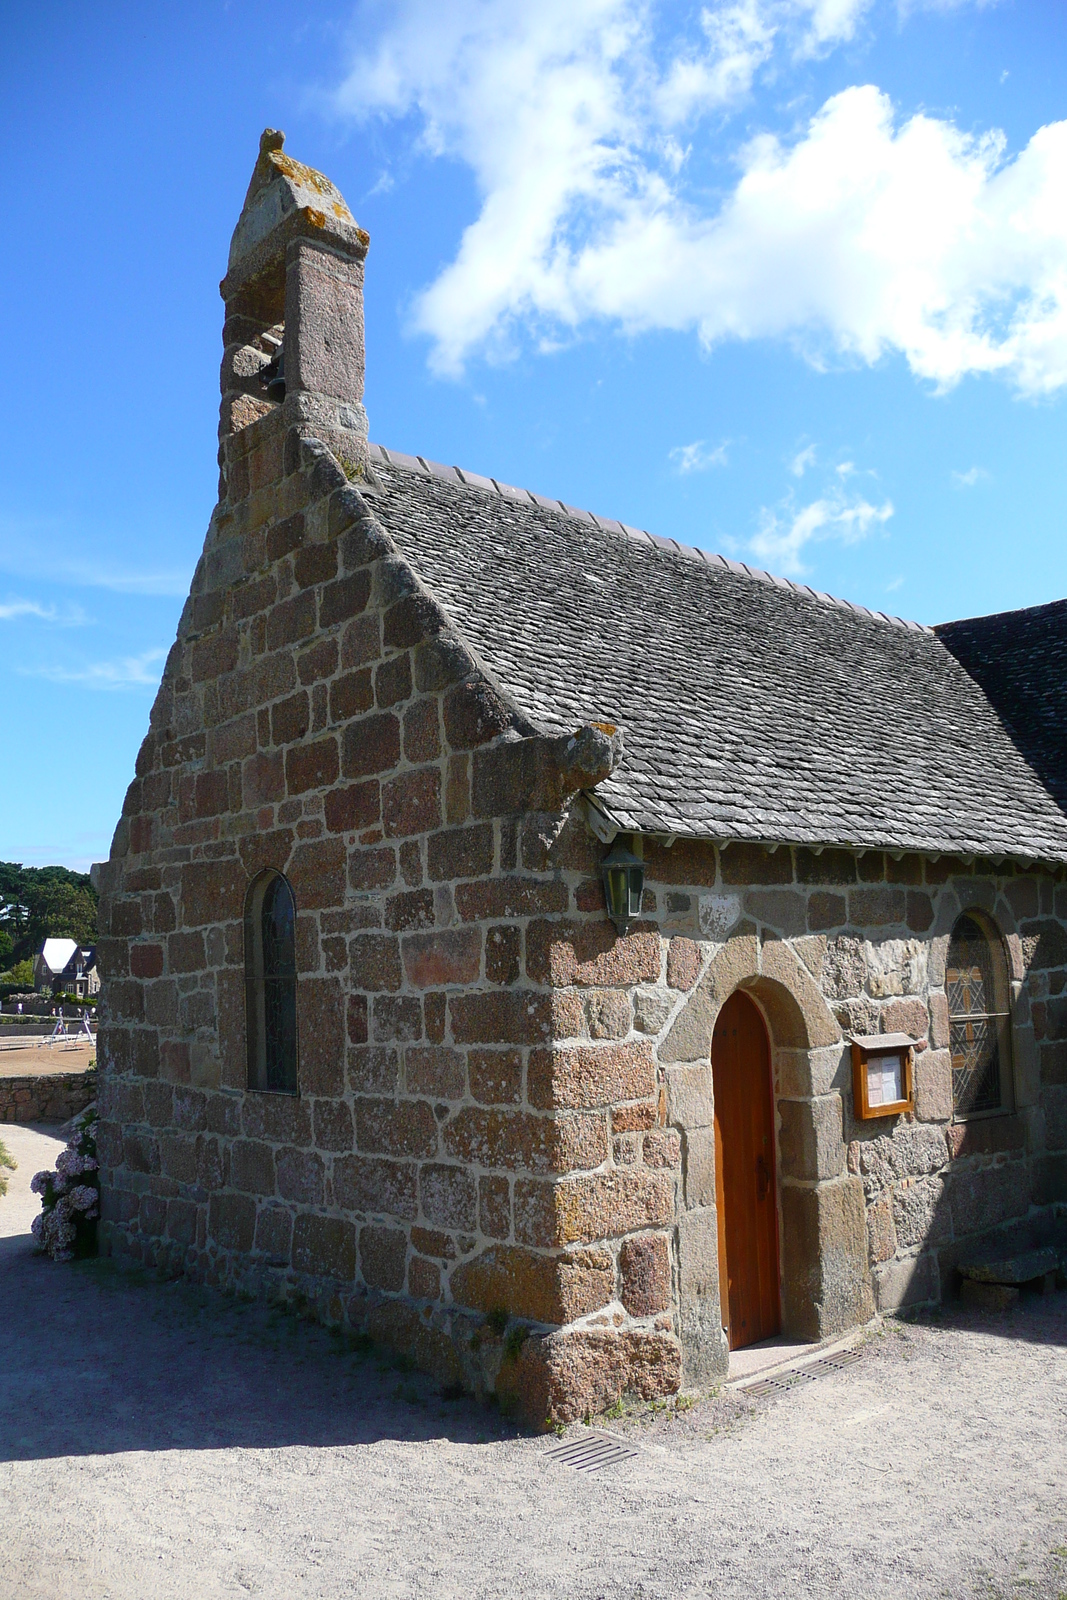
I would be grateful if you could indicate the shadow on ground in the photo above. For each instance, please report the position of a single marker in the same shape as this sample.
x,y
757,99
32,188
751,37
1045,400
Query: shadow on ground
x,y
1035,1319
97,1361
159,1438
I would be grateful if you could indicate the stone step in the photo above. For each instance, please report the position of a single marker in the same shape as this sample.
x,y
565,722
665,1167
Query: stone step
x,y
988,1296
1022,1268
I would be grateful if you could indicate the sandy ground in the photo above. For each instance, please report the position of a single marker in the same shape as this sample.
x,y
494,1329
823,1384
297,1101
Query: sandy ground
x,y
158,1440
24,1058
34,1148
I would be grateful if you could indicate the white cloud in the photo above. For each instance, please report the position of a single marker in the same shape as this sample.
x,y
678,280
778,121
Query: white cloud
x,y
698,457
167,582
85,575
907,7
716,68
9,609
785,532
119,580
68,616
968,479
802,461
78,852
128,672
865,235
831,22
13,608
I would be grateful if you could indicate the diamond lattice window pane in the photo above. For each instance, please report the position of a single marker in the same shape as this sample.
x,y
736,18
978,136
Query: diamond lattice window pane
x,y
975,1022
975,1065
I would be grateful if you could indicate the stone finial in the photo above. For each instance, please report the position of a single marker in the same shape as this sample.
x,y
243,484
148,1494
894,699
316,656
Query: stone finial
x,y
285,194
294,307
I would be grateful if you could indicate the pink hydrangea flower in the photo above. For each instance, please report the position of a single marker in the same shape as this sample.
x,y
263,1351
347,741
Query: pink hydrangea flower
x,y
73,1204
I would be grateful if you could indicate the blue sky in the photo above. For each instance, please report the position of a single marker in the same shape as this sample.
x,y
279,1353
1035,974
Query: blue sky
x,y
782,278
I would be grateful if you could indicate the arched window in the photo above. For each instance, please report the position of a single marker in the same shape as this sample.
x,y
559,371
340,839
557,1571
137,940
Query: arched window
x,y
270,984
976,982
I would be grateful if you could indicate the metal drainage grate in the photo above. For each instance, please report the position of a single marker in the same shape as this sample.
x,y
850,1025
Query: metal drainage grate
x,y
834,1363
789,1380
591,1451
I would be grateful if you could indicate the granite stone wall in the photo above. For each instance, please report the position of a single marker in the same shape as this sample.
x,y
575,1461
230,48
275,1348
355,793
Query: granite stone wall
x,y
317,717
835,944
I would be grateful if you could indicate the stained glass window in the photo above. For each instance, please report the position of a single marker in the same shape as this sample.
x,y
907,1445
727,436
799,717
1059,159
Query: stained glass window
x,y
270,985
979,1031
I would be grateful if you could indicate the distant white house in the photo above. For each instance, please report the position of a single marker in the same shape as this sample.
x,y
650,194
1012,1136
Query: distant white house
x,y
63,966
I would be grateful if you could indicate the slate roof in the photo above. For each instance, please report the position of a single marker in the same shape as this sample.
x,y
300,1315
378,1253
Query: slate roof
x,y
1019,658
752,708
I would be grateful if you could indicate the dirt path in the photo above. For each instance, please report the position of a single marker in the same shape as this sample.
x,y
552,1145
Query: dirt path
x,y
34,1147
21,1058
158,1440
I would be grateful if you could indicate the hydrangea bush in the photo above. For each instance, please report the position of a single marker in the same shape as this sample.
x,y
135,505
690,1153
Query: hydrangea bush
x,y
70,1197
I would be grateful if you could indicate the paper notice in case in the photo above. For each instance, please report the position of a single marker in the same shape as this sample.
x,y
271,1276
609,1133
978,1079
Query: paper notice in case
x,y
884,1080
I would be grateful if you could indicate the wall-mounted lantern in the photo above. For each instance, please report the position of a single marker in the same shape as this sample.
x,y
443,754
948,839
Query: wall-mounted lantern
x,y
882,1075
624,882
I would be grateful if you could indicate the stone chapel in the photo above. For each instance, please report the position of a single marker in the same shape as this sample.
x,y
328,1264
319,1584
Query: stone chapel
x,y
563,954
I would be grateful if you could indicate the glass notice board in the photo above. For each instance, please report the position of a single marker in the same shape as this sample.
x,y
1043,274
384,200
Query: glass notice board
x,y
882,1075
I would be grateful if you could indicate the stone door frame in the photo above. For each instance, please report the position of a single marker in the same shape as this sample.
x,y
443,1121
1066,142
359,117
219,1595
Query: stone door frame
x,y
825,1276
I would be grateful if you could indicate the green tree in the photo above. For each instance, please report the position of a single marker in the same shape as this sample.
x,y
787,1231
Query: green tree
x,y
21,973
38,903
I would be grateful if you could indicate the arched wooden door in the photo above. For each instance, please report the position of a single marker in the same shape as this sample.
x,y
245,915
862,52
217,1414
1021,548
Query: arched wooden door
x,y
745,1188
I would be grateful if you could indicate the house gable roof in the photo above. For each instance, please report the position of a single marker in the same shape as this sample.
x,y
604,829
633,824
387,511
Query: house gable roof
x,y
58,953
751,708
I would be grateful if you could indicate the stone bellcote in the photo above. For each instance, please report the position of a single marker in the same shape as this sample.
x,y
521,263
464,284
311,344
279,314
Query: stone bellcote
x,y
293,334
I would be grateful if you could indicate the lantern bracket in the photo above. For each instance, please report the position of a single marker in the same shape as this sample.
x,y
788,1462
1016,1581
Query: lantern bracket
x,y
599,823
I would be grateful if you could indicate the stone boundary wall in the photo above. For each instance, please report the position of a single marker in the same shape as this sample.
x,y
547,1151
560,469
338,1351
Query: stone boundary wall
x,y
46,1097
33,1004
48,1013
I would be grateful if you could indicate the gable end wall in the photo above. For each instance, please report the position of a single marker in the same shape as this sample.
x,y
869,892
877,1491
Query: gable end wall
x,y
318,717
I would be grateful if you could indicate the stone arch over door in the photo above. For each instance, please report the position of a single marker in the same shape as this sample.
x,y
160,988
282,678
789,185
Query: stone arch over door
x,y
825,1277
